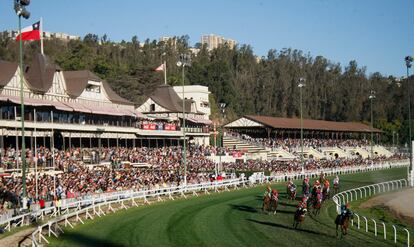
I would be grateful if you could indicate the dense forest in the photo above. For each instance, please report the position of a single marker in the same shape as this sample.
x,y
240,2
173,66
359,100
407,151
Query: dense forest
x,y
249,85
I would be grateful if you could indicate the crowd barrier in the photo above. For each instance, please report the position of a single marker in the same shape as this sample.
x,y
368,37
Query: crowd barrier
x,y
334,171
93,208
367,191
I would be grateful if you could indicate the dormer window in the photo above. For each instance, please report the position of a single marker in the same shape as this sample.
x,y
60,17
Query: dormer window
x,y
93,88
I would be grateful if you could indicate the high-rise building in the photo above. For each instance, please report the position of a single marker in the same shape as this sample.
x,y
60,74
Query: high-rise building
x,y
46,35
213,41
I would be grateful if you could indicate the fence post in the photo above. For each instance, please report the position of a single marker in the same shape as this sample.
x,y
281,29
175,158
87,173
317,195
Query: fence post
x,y
385,230
359,226
366,223
375,226
395,234
408,237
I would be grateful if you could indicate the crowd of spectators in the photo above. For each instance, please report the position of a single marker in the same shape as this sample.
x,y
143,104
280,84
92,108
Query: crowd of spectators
x,y
72,177
291,144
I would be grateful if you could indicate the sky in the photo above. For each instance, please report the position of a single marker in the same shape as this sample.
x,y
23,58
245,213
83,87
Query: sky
x,y
377,34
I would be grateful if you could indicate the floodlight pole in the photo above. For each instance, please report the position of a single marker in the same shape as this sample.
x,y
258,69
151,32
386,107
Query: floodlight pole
x,y
23,149
371,97
301,85
408,61
222,109
185,60
184,141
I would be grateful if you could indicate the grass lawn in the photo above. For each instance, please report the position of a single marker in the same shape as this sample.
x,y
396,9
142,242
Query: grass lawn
x,y
225,219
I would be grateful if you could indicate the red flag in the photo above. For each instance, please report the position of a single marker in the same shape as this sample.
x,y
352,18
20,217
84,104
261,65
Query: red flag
x,y
31,32
160,68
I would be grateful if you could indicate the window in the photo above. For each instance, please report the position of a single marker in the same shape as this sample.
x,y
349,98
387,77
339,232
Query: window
x,y
152,107
93,88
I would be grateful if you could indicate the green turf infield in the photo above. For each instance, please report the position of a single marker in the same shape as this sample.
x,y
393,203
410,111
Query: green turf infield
x,y
225,219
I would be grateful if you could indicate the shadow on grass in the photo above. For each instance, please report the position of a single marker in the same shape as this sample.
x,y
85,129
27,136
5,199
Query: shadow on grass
x,y
290,228
83,240
244,208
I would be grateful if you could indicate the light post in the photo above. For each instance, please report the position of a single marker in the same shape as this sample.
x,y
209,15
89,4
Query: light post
x,y
19,8
408,64
301,85
185,60
371,98
222,110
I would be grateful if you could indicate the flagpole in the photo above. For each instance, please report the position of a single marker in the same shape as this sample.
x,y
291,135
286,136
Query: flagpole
x,y
41,35
165,72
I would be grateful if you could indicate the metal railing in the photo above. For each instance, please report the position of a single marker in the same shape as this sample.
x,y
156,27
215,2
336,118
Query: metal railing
x,y
336,171
367,191
93,208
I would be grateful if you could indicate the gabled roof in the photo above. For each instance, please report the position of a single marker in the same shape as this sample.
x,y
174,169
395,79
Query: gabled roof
x,y
7,71
309,124
76,81
165,96
39,74
113,96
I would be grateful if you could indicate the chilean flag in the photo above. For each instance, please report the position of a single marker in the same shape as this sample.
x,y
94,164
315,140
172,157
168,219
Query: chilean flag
x,y
161,67
31,32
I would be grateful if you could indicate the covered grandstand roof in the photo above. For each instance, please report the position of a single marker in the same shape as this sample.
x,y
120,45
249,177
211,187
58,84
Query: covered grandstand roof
x,y
77,80
249,121
39,74
7,71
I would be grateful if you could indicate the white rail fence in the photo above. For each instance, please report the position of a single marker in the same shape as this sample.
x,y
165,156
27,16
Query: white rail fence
x,y
336,171
367,191
94,208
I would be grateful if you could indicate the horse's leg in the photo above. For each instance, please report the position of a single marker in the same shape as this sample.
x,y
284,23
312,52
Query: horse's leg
x,y
336,230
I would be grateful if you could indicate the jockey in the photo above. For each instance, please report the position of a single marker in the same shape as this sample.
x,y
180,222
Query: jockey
x,y
326,185
292,187
275,194
344,210
268,191
317,184
336,181
289,183
302,205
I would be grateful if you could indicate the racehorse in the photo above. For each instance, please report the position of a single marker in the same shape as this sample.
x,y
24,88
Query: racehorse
x,y
270,204
316,204
343,221
299,217
325,194
291,190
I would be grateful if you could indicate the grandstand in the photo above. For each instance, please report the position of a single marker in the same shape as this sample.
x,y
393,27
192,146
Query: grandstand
x,y
58,102
278,138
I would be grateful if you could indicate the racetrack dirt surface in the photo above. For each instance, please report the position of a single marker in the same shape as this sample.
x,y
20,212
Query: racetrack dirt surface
x,y
400,204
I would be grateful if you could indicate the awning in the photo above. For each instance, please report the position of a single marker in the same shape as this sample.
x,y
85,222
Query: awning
x,y
139,114
61,106
126,112
199,120
29,101
77,107
103,110
37,102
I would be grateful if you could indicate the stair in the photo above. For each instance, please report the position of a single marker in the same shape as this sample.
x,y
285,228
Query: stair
x,y
330,152
281,154
235,143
